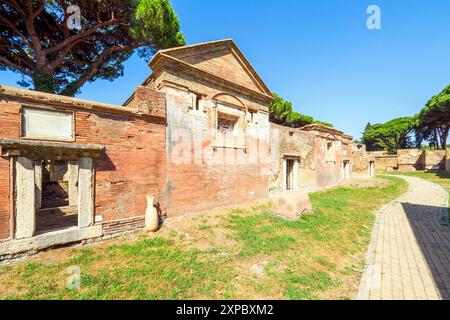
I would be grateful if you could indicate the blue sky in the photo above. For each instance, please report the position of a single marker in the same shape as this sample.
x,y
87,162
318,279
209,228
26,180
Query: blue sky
x,y
319,54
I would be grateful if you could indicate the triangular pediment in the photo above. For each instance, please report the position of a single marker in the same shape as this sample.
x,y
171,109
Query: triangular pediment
x,y
221,58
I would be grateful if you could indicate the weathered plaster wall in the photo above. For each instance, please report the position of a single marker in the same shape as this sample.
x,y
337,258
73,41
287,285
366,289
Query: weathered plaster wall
x,y
200,176
361,161
292,142
329,161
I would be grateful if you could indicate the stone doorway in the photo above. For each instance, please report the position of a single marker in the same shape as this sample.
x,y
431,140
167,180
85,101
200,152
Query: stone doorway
x,y
56,195
371,168
289,174
346,170
290,170
52,195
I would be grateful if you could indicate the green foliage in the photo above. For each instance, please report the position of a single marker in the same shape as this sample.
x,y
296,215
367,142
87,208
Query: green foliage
x,y
37,43
392,135
281,112
434,120
437,109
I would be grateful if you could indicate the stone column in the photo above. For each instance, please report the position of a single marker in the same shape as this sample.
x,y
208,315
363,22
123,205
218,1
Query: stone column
x,y
85,192
296,174
73,183
25,223
284,174
38,183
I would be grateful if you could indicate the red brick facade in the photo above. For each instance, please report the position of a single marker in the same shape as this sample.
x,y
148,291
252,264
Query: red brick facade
x,y
134,164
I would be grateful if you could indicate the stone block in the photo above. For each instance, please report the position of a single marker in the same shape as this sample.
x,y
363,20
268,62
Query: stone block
x,y
291,204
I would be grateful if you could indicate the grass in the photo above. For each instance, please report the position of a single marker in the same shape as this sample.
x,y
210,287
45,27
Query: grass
x,y
319,256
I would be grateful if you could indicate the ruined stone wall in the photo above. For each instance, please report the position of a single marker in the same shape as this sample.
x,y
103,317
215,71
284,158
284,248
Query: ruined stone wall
x,y
435,159
415,159
284,142
134,165
329,161
386,162
411,160
361,161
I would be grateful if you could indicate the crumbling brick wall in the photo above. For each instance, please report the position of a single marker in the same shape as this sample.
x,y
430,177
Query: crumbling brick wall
x,y
333,148
285,141
411,159
435,159
386,162
361,161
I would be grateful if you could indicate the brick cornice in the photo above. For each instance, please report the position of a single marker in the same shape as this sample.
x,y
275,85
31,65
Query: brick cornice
x,y
22,95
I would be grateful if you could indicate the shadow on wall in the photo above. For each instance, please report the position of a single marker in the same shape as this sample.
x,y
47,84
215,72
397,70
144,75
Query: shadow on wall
x,y
433,238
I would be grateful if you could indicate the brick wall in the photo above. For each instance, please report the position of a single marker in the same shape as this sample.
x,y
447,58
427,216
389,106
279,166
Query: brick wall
x,y
199,178
10,120
361,160
385,162
134,165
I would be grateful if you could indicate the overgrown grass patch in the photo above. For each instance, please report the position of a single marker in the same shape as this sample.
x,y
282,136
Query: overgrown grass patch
x,y
315,257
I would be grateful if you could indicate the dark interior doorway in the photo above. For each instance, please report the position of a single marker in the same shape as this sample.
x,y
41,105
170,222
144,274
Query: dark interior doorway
x,y
290,174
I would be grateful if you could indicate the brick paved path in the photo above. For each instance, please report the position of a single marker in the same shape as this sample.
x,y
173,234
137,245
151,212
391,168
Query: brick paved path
x,y
409,253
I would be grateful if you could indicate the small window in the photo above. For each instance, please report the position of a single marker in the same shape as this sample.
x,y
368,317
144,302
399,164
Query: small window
x,y
226,124
197,103
252,116
329,145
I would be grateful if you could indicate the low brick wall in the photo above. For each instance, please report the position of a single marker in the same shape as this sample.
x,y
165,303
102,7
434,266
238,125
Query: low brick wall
x,y
123,226
386,162
435,159
411,160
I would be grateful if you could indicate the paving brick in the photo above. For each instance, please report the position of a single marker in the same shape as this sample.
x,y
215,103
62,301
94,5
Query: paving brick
x,y
413,246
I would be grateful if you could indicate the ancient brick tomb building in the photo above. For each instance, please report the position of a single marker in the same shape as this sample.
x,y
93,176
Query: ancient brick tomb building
x,y
195,135
72,170
217,126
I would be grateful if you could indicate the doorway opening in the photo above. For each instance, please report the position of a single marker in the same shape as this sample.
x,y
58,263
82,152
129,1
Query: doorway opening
x,y
371,168
346,170
290,163
56,195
